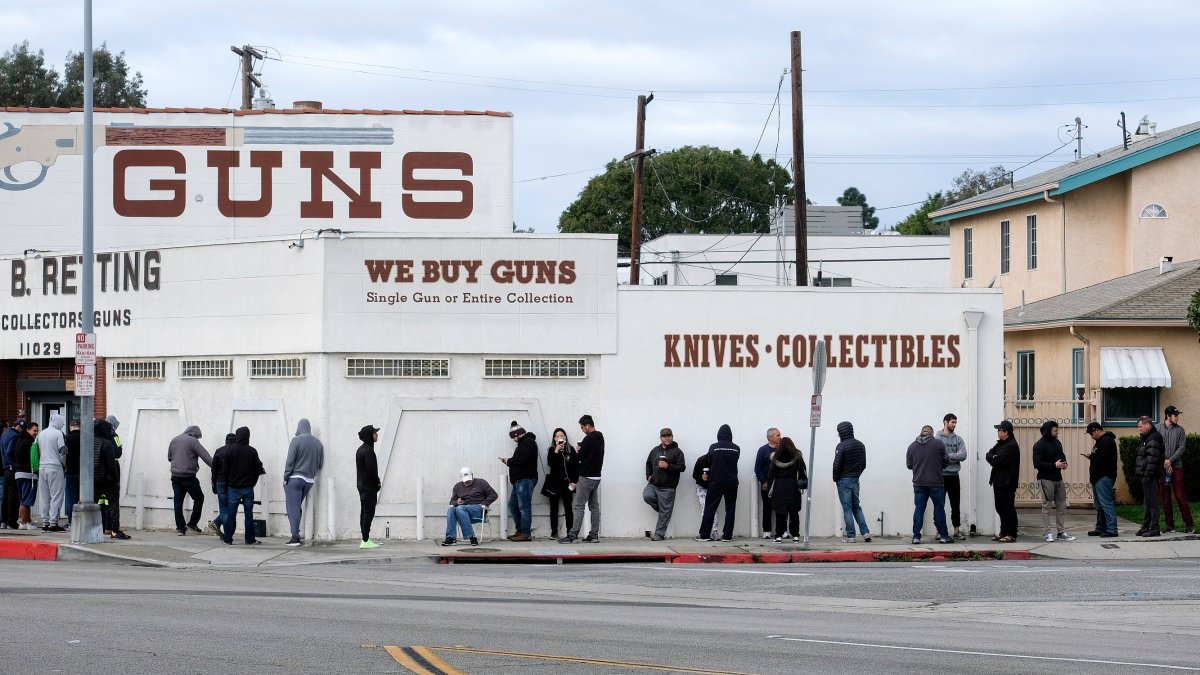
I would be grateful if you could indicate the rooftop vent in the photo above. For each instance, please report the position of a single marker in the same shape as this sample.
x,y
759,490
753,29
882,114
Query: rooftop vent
x,y
1165,266
307,105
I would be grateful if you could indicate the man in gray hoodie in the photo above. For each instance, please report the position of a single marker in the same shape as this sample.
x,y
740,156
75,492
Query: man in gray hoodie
x,y
184,453
305,457
52,483
927,459
956,452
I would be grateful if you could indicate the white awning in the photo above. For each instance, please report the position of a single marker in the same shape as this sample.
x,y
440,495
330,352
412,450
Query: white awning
x,y
1133,367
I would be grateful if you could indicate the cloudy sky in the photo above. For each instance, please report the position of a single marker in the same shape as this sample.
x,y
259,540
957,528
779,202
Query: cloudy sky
x,y
900,97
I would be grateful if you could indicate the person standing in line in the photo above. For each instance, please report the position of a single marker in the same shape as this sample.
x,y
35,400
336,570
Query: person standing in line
x,y
1049,460
563,463
8,488
849,462
762,473
106,475
367,471
927,460
700,474
469,497
1102,471
587,490
788,476
722,483
1005,459
1148,467
220,487
107,428
305,457
1174,443
185,452
242,468
52,448
26,487
71,470
663,466
956,452
523,475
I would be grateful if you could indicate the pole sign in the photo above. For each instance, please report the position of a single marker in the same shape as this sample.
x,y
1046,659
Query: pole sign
x,y
85,364
814,421
814,412
85,380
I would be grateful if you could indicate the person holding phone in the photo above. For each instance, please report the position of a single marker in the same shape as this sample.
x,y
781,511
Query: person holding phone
x,y
563,461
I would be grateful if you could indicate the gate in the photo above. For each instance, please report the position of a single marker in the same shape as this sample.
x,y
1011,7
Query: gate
x,y
1027,418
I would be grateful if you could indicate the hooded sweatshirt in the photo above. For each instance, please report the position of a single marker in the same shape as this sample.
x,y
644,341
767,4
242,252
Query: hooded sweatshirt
x,y
113,423
723,459
365,464
184,453
242,466
7,439
218,460
927,458
523,465
1103,458
668,477
71,463
305,456
1005,458
956,451
1046,452
591,455
850,456
52,444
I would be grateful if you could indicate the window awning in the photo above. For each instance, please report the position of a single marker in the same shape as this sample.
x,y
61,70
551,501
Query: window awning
x,y
1133,367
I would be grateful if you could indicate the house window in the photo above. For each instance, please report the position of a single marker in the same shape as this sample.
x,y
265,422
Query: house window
x,y
832,282
535,368
1124,405
1153,211
1031,237
726,280
1078,390
968,253
276,367
363,367
138,370
661,280
206,368
1004,247
1025,378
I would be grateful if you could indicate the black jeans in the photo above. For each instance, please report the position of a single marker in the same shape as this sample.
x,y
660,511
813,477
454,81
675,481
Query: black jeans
x,y
727,493
953,491
366,513
189,485
567,499
8,510
768,508
791,519
1006,508
1152,503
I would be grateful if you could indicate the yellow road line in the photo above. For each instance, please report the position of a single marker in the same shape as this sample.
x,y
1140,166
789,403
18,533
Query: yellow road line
x,y
601,662
436,661
409,662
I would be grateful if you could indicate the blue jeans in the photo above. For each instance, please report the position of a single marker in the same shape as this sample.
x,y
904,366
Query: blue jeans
x,y
1106,505
848,495
461,515
921,495
520,504
245,497
222,504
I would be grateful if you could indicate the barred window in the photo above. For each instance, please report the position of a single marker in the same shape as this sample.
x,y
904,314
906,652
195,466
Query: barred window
x,y
364,367
276,367
138,370
201,368
549,368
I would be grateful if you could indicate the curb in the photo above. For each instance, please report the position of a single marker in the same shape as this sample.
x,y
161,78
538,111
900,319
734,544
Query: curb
x,y
17,549
737,558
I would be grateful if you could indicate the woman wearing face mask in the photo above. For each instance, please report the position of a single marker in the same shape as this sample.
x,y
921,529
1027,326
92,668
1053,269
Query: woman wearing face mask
x,y
564,470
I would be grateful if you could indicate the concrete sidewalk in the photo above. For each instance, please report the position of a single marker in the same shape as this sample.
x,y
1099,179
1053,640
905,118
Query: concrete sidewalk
x,y
165,549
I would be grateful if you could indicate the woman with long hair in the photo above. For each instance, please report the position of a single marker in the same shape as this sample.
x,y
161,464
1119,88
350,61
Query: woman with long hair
x,y
563,461
789,478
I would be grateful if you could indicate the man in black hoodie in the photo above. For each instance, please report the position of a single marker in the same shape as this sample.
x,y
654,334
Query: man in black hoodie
x,y
1148,466
523,475
722,483
219,487
1005,458
849,462
241,469
1103,474
366,468
106,477
663,467
587,490
1049,460
71,469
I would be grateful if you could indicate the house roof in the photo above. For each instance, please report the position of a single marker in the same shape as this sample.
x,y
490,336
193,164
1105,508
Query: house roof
x,y
1074,175
270,111
1141,296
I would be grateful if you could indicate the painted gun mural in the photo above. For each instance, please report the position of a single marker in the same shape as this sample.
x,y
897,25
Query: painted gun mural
x,y
44,144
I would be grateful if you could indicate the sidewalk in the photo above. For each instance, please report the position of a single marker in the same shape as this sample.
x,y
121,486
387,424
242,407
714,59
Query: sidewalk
x,y
163,548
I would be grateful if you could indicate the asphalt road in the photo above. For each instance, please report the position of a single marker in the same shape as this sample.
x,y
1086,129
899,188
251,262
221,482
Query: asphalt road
x,y
979,617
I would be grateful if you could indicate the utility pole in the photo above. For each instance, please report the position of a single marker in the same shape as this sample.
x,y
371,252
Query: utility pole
x,y
1078,139
798,165
248,53
639,156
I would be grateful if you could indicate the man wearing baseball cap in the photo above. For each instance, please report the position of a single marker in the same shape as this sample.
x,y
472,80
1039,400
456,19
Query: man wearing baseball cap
x,y
1005,458
1103,474
663,466
1174,441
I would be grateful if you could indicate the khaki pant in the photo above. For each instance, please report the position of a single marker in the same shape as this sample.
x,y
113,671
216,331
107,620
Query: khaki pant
x,y
1054,500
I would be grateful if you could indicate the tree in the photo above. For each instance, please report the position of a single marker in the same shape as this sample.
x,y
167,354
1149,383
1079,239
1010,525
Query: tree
x,y
970,183
112,88
25,81
919,222
852,197
686,190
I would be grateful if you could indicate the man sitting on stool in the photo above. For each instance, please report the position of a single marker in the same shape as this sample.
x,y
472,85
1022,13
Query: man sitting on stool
x,y
467,501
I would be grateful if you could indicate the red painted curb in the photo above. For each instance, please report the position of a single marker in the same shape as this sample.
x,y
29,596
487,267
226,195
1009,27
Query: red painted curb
x,y
16,549
738,558
725,558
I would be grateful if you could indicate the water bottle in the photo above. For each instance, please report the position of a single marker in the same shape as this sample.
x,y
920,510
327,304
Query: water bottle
x,y
1167,477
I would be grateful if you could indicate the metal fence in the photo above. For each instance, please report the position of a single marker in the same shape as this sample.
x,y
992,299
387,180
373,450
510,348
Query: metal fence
x,y
1027,418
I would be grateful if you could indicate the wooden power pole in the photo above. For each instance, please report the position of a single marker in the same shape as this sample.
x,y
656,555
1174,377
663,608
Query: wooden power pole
x,y
248,53
639,156
798,164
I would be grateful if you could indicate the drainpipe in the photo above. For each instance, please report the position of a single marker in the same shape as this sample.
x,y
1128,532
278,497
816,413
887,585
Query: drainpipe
x,y
1046,196
1087,362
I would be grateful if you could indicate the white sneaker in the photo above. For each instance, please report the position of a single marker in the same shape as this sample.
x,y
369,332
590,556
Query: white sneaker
x,y
30,526
1049,536
766,535
847,540
1063,536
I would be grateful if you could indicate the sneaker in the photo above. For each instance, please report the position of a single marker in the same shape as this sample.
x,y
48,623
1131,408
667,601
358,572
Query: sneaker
x,y
778,540
368,544
592,538
1108,534
1049,536
214,528
474,541
1169,528
657,537
788,537
57,528
700,538
29,526
569,539
960,535
1063,536
553,536
118,534
766,535
293,542
3,526
1094,533
195,529
180,532
726,538
916,540
867,538
847,540
945,540
1151,533
450,541
256,542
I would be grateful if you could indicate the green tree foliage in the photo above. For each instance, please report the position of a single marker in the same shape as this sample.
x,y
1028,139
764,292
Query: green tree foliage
x,y
25,80
1193,313
687,190
964,186
1127,448
852,197
919,222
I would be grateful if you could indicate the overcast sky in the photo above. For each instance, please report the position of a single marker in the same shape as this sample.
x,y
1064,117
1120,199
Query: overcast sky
x,y
900,97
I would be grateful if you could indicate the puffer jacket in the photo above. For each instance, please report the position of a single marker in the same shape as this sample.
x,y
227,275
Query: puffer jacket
x,y
1148,463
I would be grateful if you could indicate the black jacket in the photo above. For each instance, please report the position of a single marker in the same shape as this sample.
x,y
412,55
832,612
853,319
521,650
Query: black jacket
x,y
365,464
1103,458
698,471
785,479
71,465
22,455
850,456
242,467
564,466
723,459
1046,452
523,464
591,455
668,477
1148,464
106,473
218,460
1005,458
